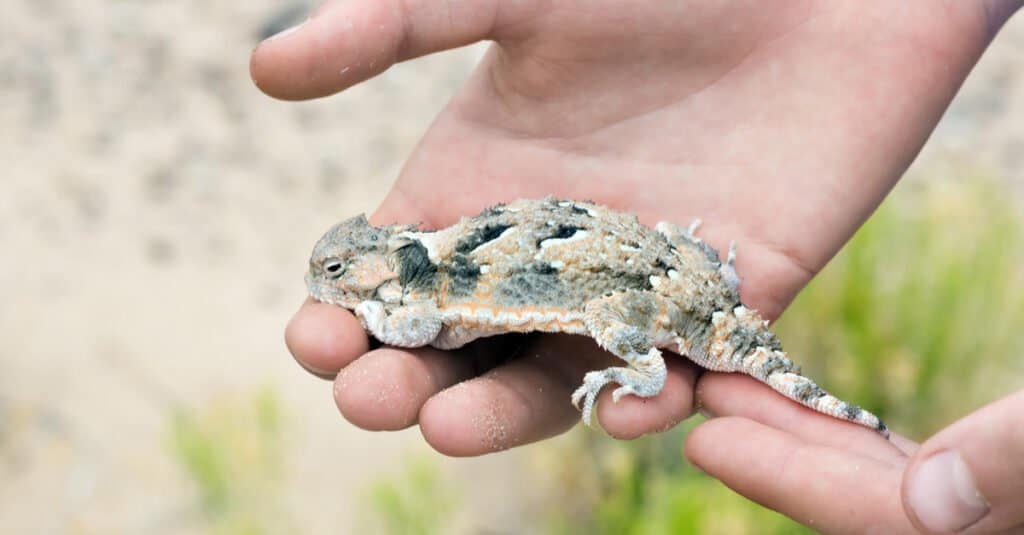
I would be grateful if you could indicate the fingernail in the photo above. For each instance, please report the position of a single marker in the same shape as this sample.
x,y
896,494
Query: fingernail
x,y
942,493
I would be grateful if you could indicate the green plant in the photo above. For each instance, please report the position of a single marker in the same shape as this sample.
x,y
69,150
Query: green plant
x,y
231,451
642,487
926,300
419,501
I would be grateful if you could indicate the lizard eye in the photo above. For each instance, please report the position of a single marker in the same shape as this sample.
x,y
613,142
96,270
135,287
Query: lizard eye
x,y
334,268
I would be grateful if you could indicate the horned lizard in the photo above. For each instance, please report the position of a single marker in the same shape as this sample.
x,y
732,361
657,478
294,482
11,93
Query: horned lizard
x,y
562,266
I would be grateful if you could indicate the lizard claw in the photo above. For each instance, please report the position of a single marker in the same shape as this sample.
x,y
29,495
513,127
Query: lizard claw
x,y
593,382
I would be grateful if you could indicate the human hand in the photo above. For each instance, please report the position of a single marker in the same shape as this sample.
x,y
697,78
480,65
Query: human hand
x,y
782,125
838,478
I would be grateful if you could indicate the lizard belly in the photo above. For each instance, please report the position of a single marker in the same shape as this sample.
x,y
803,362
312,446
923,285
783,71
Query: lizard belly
x,y
464,323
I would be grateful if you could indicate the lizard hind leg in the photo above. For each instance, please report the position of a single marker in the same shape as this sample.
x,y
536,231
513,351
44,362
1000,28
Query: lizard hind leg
x,y
623,324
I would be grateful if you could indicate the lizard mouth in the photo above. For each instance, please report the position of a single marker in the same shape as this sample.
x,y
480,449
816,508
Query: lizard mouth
x,y
329,294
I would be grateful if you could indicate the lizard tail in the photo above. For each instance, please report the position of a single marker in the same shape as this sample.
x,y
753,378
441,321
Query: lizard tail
x,y
742,342
773,368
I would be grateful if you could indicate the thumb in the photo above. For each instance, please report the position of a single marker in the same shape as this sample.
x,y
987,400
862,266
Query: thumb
x,y
970,476
345,42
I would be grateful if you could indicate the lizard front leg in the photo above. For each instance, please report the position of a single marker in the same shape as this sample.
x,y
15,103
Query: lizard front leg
x,y
413,325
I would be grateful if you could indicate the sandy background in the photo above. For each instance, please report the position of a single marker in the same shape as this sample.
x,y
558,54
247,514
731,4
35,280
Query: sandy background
x,y
156,213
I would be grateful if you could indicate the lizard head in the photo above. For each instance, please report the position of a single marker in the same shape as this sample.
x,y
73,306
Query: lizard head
x,y
350,263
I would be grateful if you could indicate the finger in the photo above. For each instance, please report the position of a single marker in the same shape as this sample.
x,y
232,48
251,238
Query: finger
x,y
385,389
344,43
971,473
519,402
904,444
528,399
632,417
730,394
324,338
827,489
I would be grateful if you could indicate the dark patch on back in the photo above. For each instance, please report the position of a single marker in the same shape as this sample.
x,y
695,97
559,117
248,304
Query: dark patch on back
x,y
632,280
579,211
536,285
560,232
480,236
463,275
852,412
661,265
544,268
415,270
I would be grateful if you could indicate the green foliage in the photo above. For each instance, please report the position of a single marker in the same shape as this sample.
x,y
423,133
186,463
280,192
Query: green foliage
x,y
927,300
232,452
417,502
643,487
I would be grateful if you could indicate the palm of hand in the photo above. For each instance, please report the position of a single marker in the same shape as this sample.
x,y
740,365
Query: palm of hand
x,y
674,122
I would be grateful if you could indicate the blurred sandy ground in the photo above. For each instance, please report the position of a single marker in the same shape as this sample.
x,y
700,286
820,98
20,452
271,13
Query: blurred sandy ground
x,y
156,212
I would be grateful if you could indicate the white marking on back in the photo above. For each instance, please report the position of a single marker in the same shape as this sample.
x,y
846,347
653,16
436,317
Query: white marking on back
x,y
429,240
433,241
506,232
576,236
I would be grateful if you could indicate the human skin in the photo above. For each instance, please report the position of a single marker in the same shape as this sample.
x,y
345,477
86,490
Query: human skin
x,y
781,124
839,478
